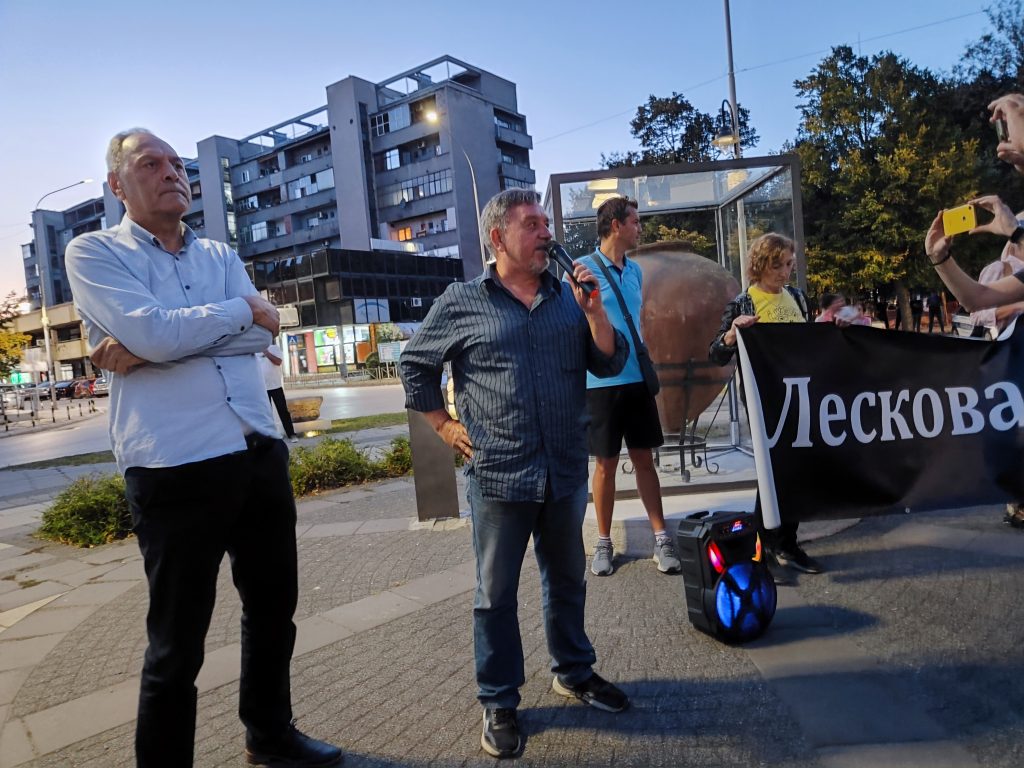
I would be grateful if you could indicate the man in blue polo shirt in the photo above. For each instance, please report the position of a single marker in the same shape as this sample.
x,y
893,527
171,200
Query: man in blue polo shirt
x,y
620,406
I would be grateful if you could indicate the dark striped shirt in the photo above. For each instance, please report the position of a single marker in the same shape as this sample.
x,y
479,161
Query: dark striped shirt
x,y
520,382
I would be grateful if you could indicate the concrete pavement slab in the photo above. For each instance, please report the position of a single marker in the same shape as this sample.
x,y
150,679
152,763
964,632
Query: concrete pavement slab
x,y
10,682
50,621
23,652
324,530
93,594
391,525
30,595
23,561
927,754
17,747
9,618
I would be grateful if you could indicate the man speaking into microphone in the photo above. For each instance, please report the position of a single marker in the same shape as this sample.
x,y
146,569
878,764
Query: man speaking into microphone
x,y
520,343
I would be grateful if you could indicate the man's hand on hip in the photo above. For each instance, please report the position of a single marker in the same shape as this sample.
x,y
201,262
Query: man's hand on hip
x,y
264,314
111,355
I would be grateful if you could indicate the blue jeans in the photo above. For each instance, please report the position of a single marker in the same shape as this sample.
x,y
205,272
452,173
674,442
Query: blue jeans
x,y
501,531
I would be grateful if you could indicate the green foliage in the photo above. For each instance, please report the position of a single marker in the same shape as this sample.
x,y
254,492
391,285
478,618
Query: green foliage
x,y
671,130
880,158
11,342
335,463
999,53
91,511
372,360
398,460
389,332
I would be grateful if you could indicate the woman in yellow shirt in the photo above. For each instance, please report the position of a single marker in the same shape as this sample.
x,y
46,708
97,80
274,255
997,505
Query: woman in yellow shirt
x,y
768,299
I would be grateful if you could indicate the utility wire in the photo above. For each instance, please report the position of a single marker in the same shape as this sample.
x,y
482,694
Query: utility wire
x,y
763,66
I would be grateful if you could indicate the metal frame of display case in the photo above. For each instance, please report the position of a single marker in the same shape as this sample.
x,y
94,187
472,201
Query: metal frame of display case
x,y
741,192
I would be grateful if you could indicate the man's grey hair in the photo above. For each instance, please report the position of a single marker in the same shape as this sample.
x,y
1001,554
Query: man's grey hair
x,y
495,213
115,149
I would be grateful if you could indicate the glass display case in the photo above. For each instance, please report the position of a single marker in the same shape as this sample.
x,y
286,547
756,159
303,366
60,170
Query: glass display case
x,y
723,204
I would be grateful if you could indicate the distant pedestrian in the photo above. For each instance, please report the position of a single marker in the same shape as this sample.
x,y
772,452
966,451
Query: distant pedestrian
x,y
935,312
273,379
176,321
520,343
916,311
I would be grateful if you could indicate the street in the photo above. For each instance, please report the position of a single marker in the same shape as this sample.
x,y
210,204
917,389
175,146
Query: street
x,y
90,435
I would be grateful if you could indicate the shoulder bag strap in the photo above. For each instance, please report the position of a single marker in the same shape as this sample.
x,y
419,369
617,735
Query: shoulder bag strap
x,y
637,344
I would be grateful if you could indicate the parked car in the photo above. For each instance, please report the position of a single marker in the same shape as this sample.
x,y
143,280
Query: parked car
x,y
101,387
11,394
64,390
40,391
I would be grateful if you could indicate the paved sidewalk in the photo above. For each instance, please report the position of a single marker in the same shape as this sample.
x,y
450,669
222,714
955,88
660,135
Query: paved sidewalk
x,y
906,653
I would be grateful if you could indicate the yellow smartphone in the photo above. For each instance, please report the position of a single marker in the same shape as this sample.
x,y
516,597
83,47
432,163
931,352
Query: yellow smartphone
x,y
959,219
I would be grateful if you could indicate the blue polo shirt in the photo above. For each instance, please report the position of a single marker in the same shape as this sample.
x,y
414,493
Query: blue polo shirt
x,y
629,280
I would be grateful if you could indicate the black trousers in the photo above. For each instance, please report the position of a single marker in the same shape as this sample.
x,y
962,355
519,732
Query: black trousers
x,y
783,537
277,398
186,518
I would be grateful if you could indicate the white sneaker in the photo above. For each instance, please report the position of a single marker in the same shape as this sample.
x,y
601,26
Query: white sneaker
x,y
294,440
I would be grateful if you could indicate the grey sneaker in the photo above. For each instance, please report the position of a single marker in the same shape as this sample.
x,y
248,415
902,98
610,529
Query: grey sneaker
x,y
665,556
601,565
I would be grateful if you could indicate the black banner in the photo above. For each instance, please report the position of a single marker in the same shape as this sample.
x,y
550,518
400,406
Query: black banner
x,y
849,422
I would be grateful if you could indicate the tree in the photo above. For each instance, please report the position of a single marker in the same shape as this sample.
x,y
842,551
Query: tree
x,y
998,56
11,342
671,130
879,160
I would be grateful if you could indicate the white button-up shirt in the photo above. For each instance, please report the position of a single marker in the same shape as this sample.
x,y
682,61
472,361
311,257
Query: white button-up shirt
x,y
201,390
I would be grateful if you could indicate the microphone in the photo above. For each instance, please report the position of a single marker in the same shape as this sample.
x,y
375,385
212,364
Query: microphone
x,y
564,260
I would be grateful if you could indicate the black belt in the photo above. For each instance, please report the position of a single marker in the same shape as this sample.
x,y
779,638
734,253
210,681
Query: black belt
x,y
255,441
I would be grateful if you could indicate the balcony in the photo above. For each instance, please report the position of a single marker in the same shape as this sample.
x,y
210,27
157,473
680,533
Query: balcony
x,y
519,172
71,350
285,207
327,229
515,138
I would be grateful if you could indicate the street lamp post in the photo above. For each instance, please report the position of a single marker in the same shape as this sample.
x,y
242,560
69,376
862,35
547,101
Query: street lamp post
x,y
43,263
741,226
434,117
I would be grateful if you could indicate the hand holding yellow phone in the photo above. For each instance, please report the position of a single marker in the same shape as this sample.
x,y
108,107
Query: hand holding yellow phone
x,y
959,219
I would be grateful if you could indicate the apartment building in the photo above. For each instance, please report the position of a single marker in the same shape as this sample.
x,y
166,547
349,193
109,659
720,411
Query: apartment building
x,y
361,210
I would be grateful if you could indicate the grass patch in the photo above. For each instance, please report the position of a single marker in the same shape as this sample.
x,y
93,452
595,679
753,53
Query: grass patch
x,y
91,511
376,421
97,457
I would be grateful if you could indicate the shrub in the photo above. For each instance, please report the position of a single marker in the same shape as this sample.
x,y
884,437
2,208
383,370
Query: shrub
x,y
398,460
91,511
329,464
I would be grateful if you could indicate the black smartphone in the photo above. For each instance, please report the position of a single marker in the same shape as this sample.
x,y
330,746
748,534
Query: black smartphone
x,y
1002,131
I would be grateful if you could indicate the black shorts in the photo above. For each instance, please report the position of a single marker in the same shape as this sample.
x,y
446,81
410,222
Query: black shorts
x,y
628,411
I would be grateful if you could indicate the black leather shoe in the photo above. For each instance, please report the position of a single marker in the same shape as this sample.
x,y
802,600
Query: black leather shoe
x,y
294,750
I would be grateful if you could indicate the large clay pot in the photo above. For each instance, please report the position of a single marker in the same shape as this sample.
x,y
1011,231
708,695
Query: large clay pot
x,y
684,295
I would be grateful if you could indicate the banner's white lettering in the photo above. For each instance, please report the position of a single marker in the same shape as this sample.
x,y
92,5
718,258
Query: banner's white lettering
x,y
961,408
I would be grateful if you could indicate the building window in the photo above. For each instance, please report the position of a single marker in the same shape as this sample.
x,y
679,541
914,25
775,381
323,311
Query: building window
x,y
245,176
379,124
403,234
259,231
391,159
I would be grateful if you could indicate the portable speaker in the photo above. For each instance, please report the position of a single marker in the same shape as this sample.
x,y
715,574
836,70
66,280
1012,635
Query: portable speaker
x,y
729,593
